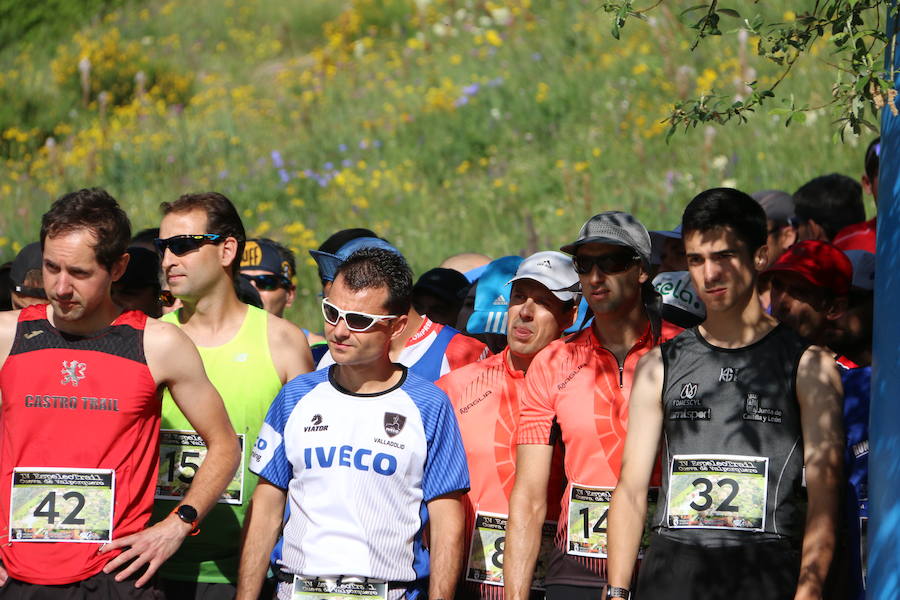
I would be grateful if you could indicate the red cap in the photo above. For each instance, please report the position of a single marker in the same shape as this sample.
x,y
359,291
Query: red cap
x,y
820,263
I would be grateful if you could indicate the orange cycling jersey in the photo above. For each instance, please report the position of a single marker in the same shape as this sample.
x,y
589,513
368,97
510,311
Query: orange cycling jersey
x,y
576,390
487,396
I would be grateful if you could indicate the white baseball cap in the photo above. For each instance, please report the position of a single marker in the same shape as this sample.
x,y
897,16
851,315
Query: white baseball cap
x,y
680,303
554,270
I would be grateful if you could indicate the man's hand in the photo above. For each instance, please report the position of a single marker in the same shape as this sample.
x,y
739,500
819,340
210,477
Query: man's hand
x,y
4,575
151,547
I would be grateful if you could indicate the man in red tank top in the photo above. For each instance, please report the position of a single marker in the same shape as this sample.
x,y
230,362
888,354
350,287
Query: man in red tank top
x,y
80,383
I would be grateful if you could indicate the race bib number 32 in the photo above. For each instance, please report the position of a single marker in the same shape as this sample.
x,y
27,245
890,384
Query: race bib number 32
x,y
61,505
180,455
718,492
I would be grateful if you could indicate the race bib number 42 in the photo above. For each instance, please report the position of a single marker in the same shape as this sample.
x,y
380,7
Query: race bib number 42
x,y
486,553
61,505
718,492
180,455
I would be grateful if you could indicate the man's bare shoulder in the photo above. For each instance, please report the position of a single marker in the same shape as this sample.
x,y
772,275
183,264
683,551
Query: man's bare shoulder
x,y
8,322
161,339
283,332
817,370
651,360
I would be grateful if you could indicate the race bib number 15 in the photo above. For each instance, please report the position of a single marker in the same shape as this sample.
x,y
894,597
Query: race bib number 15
x,y
62,505
180,455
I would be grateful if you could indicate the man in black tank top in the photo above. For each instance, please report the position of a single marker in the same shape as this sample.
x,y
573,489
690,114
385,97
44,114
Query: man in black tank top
x,y
747,417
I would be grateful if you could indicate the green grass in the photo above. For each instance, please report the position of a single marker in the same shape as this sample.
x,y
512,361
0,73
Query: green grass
x,y
460,128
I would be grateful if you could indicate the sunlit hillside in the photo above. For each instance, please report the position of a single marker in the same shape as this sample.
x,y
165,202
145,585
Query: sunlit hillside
x,y
443,125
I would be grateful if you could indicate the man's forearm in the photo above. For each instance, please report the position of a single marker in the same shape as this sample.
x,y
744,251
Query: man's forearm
x,y
260,532
523,542
818,544
222,459
446,550
627,513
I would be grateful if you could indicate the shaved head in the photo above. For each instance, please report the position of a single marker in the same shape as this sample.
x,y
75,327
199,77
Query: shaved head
x,y
465,261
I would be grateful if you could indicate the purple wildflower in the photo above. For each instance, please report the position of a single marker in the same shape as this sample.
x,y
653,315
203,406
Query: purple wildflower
x,y
471,90
277,160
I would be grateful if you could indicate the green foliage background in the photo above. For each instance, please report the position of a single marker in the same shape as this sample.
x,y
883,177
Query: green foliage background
x,y
444,125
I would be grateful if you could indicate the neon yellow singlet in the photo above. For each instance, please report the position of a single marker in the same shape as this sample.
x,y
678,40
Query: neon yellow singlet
x,y
243,373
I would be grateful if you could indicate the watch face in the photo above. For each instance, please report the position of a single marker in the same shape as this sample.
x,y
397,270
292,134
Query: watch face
x,y
187,513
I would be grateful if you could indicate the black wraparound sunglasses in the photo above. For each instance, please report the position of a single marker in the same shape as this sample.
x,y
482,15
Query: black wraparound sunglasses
x,y
607,263
268,283
180,245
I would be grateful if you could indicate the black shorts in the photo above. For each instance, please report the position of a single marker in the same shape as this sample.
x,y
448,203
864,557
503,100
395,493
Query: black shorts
x,y
674,571
100,586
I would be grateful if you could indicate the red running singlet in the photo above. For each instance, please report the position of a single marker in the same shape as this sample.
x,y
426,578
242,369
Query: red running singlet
x,y
72,403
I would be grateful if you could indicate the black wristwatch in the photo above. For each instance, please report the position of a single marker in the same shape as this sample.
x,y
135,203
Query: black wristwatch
x,y
188,514
617,592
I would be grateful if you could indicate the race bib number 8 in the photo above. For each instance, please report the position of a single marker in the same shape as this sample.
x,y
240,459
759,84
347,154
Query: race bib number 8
x,y
312,588
61,505
485,563
718,492
180,455
588,511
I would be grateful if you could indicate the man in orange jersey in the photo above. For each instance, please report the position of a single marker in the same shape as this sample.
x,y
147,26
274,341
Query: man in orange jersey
x,y
577,391
487,395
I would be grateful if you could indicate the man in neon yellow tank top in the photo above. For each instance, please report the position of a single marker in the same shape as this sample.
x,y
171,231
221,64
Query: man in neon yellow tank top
x,y
248,355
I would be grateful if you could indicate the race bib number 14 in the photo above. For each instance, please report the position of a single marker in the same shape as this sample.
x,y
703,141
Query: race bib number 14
x,y
718,492
62,505
588,511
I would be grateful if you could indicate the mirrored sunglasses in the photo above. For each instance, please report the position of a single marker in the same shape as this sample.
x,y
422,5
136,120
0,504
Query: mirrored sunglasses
x,y
268,283
180,245
356,321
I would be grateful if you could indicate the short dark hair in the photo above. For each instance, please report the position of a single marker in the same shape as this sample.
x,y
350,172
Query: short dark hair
x,y
726,207
873,158
376,268
95,210
144,238
833,201
222,218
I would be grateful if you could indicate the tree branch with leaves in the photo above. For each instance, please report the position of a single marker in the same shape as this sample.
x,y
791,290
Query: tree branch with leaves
x,y
854,28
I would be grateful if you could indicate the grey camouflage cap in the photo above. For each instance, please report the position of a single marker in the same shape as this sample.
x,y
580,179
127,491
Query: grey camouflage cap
x,y
617,228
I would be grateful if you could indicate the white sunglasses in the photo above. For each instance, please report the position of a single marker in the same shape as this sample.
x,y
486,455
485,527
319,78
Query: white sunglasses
x,y
356,321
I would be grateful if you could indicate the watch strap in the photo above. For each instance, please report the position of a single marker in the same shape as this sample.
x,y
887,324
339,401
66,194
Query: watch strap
x,y
195,529
617,592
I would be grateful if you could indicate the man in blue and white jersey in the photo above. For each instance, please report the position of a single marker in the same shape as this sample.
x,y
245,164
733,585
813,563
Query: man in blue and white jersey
x,y
368,456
